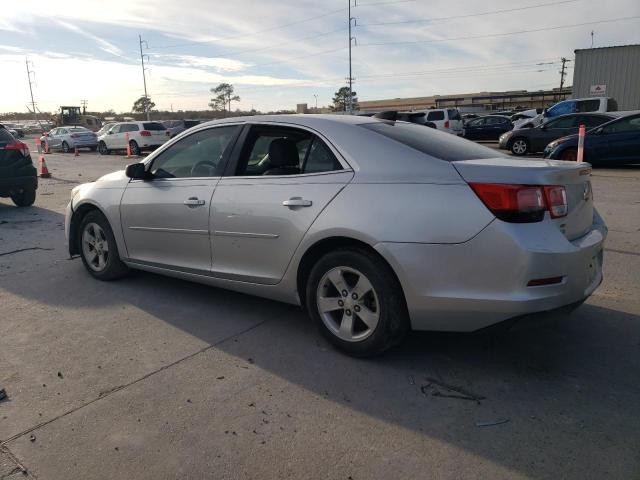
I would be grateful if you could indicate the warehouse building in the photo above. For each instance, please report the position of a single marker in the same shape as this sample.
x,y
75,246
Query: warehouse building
x,y
481,102
609,72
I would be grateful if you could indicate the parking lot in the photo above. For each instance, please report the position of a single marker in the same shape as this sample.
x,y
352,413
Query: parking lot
x,y
152,377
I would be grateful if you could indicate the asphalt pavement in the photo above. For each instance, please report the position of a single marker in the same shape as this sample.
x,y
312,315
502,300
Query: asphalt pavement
x,y
153,377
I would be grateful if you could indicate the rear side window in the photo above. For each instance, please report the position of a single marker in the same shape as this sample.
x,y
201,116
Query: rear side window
x,y
588,105
129,127
435,116
320,159
443,146
454,115
153,126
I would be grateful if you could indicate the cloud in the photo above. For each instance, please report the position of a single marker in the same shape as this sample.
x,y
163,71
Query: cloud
x,y
103,44
219,64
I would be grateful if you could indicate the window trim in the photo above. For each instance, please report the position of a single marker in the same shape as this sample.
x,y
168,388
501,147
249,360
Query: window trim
x,y
148,162
232,164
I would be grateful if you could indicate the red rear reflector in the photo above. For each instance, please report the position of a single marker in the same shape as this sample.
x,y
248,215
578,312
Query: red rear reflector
x,y
446,124
522,203
145,133
544,281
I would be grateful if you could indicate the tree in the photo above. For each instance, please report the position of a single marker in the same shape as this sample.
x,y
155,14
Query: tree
x,y
142,105
224,95
341,100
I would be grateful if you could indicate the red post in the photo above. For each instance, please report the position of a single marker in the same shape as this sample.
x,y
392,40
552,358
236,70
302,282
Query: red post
x,y
581,134
126,137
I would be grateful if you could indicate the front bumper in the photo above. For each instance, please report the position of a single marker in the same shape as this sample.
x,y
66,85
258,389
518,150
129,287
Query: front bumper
x,y
503,142
472,285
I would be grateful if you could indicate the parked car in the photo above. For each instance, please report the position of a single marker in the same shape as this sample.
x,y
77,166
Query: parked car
x,y
614,143
306,209
18,176
69,138
487,128
142,136
445,119
531,140
178,126
574,105
19,129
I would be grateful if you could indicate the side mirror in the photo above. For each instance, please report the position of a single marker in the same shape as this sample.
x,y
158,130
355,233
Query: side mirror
x,y
598,131
137,171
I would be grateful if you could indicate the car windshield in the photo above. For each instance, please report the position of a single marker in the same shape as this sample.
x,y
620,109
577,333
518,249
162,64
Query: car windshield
x,y
77,129
436,144
153,126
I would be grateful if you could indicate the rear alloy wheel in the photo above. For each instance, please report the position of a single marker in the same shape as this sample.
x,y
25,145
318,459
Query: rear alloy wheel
x,y
98,248
520,147
25,197
65,147
357,302
570,155
135,149
102,149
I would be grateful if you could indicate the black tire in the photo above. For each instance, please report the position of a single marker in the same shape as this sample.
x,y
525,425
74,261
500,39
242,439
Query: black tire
x,y
102,149
65,147
25,197
135,149
114,268
393,323
569,155
520,146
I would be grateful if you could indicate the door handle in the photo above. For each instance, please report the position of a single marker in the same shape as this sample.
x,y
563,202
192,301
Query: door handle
x,y
297,202
193,202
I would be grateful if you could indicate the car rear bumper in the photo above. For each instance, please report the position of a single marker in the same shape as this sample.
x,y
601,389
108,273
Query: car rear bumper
x,y
9,184
472,285
84,143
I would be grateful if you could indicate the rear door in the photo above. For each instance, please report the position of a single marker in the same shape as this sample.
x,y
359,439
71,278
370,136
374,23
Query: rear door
x,y
474,129
269,198
165,220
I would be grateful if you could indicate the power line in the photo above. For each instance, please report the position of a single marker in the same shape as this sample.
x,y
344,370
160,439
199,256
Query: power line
x,y
479,14
490,35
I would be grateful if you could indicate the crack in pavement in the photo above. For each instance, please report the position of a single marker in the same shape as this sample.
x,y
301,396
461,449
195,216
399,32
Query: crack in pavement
x,y
19,467
24,250
106,393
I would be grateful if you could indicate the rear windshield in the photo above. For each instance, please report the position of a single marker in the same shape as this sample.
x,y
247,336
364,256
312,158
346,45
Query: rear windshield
x,y
454,115
5,137
153,126
77,129
444,146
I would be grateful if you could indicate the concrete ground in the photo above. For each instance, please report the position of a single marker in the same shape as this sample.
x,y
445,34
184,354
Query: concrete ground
x,y
152,377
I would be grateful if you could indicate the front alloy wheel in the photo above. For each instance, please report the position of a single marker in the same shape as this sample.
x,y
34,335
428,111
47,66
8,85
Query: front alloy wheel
x,y
95,247
348,304
98,247
519,146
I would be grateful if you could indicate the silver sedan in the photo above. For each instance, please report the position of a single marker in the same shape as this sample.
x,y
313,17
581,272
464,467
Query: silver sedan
x,y
376,227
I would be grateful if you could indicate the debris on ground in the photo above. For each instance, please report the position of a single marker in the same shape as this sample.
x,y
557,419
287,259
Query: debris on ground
x,y
460,393
32,438
60,375
499,421
220,378
3,394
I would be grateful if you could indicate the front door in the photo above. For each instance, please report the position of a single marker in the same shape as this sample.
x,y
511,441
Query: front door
x,y
165,220
623,140
282,179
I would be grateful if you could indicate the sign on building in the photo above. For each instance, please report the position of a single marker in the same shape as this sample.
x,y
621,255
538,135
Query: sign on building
x,y
597,90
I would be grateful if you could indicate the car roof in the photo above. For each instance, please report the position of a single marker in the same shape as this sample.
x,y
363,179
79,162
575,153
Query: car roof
x,y
305,120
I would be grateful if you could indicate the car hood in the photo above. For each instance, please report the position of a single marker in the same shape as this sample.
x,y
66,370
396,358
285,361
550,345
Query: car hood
x,y
113,177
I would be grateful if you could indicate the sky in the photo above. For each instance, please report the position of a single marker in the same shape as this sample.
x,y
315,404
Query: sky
x,y
281,53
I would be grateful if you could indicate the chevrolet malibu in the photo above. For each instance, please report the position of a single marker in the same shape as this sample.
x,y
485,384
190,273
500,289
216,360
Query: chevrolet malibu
x,y
375,227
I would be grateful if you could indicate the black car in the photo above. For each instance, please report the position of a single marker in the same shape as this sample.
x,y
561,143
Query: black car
x,y
487,128
531,140
18,176
614,143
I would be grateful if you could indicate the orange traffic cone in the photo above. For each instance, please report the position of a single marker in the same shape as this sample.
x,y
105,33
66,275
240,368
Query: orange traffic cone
x,y
126,138
44,171
75,152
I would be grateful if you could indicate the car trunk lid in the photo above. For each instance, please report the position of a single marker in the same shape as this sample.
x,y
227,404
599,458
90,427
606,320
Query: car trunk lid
x,y
574,177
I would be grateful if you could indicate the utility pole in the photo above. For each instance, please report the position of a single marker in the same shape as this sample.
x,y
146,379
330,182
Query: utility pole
x,y
33,103
316,97
84,106
144,77
562,74
350,79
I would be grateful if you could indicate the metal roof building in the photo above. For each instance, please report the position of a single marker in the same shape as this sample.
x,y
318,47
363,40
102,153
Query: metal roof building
x,y
609,72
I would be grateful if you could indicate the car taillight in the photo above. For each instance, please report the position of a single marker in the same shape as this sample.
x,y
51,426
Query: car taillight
x,y
446,124
145,133
522,203
18,146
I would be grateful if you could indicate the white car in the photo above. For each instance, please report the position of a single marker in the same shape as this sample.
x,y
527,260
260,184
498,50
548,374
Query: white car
x,y
445,119
141,135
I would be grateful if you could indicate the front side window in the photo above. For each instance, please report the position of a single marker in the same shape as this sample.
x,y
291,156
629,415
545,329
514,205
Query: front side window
x,y
590,121
284,151
565,122
198,155
629,124
495,121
